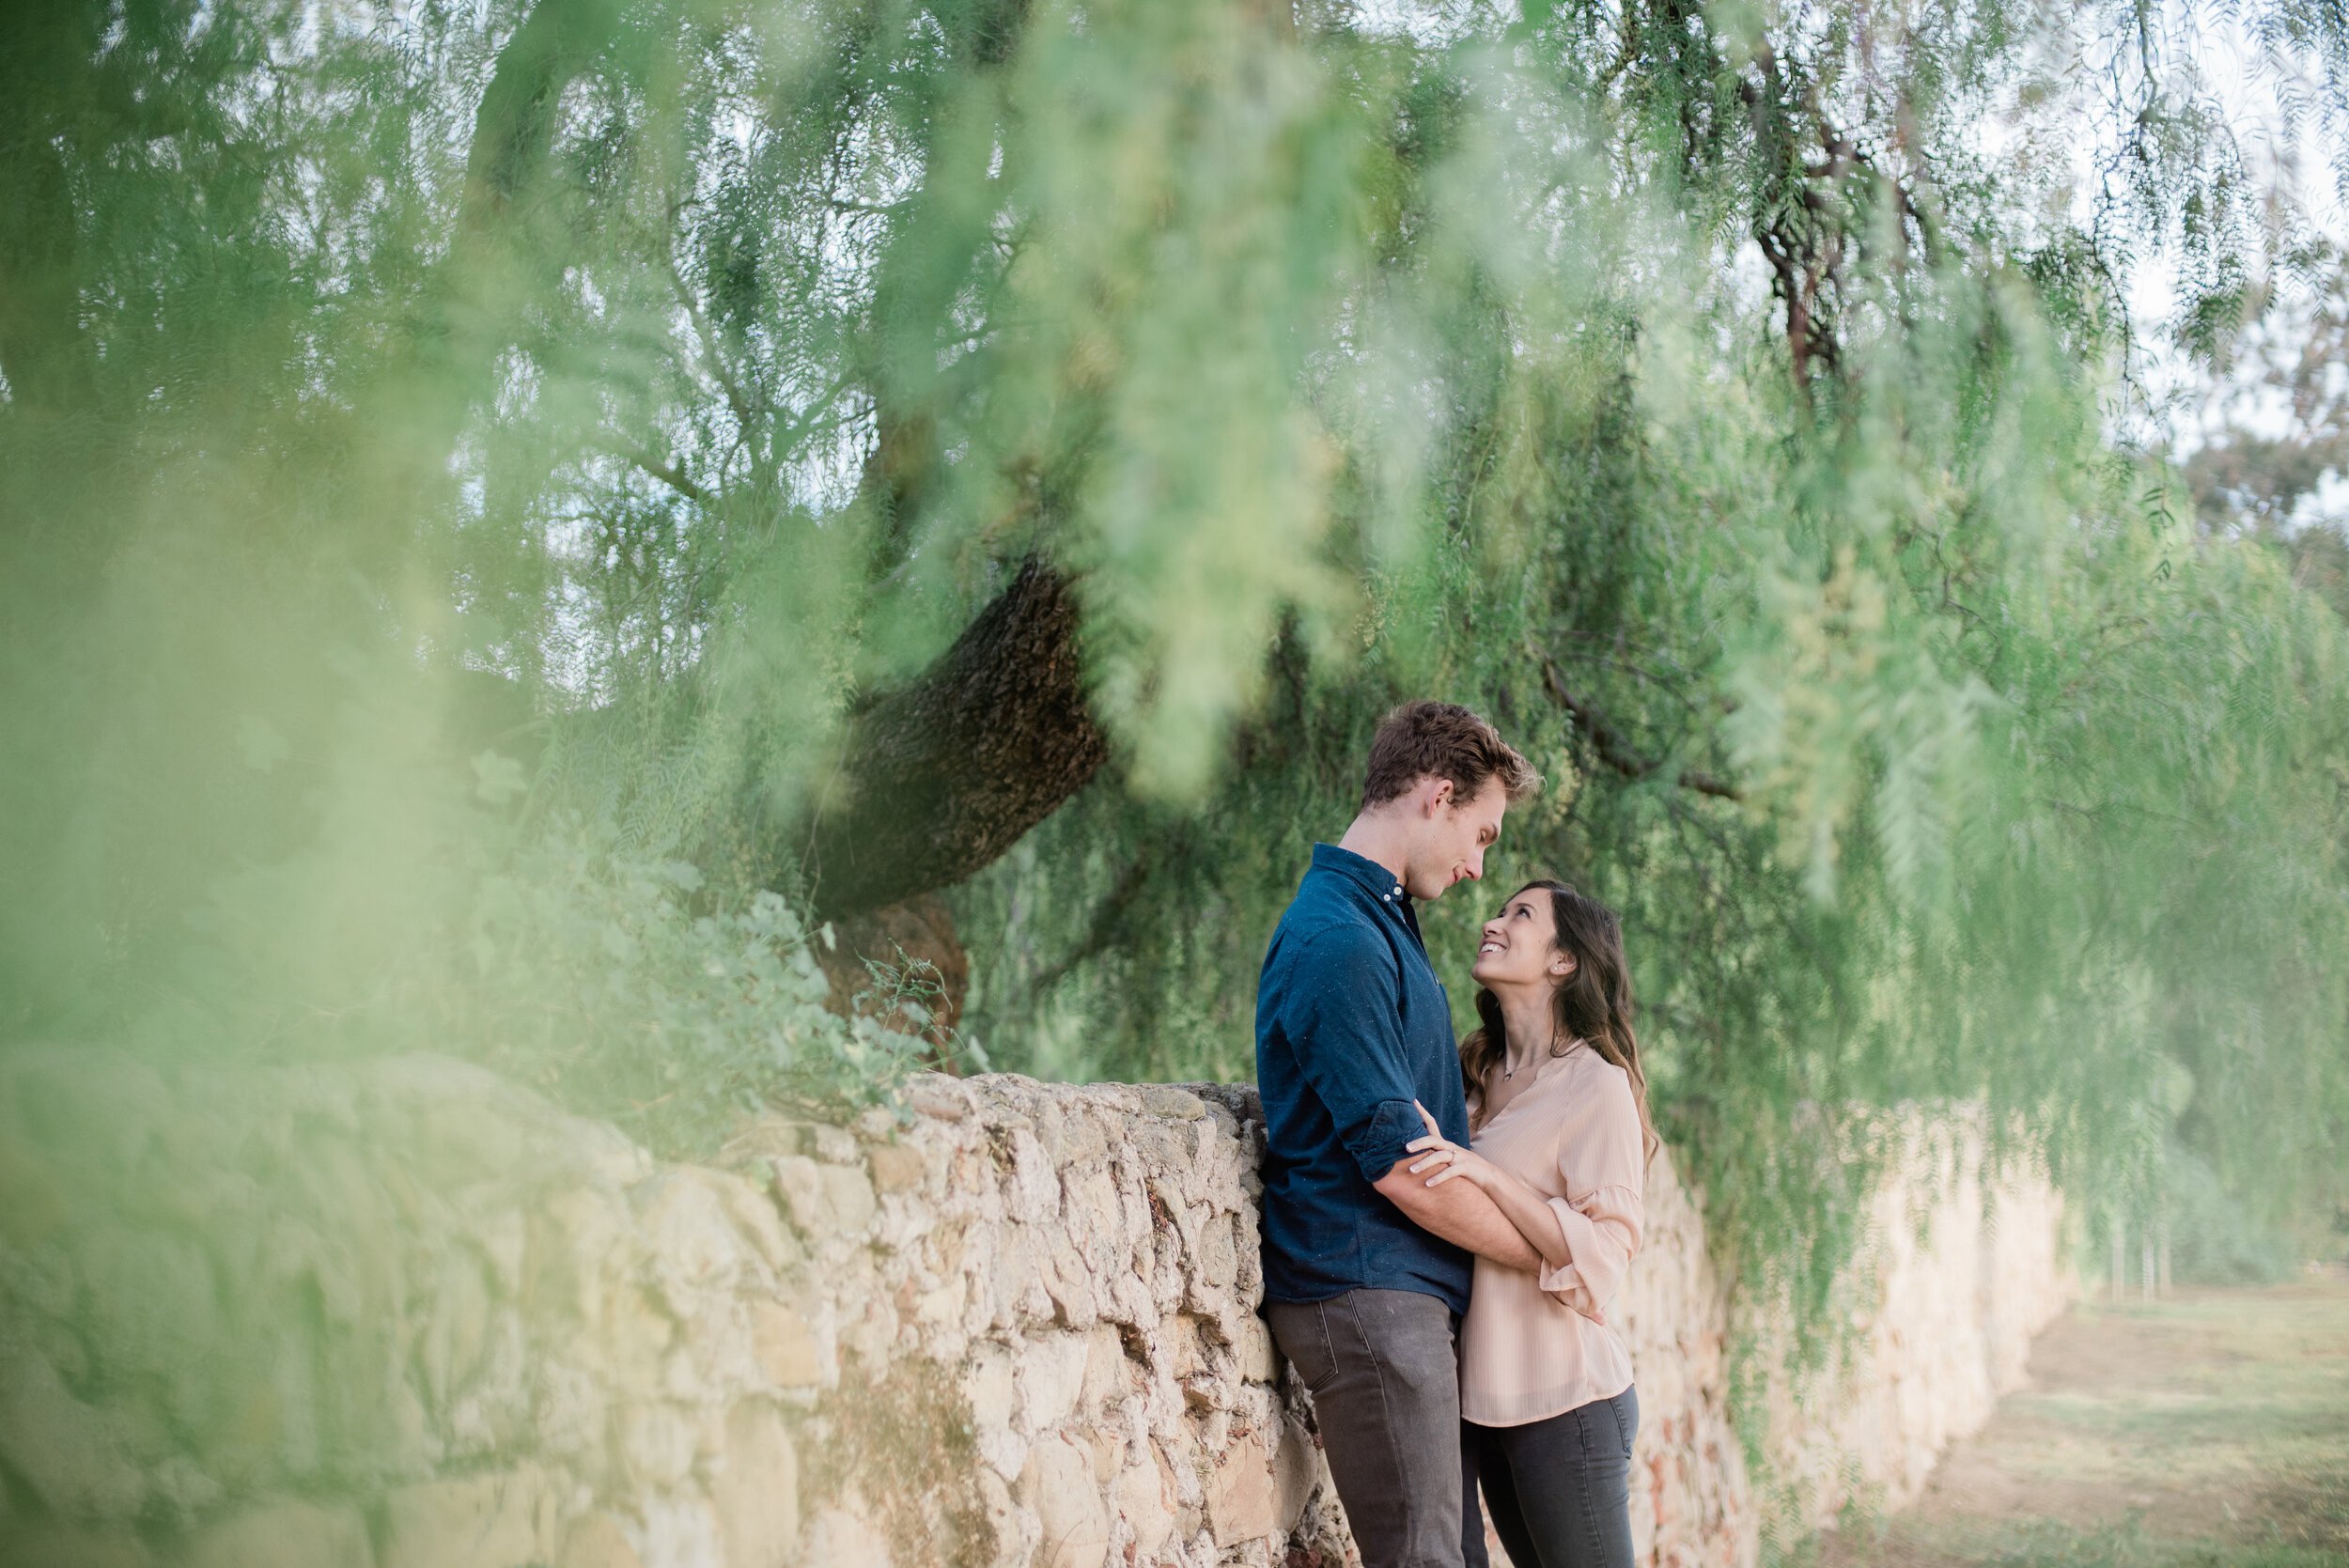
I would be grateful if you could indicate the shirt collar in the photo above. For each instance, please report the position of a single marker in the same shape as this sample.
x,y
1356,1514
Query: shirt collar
x,y
1376,879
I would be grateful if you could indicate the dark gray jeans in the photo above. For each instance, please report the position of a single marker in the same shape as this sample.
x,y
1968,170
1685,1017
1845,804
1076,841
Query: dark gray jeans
x,y
1386,1386
1558,1490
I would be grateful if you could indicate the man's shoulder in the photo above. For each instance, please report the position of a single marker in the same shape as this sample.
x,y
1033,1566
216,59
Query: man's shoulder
x,y
1330,934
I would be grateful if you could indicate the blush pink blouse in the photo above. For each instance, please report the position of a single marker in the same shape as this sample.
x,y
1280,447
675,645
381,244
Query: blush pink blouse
x,y
1532,1346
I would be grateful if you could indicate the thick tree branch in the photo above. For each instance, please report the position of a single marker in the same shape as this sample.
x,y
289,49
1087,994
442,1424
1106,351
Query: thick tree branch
x,y
484,284
637,457
943,775
514,128
1618,753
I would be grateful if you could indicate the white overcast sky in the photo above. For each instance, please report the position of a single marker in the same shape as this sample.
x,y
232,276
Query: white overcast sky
x,y
2282,149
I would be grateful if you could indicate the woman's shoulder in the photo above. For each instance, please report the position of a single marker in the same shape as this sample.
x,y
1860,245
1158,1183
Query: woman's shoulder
x,y
1608,1147
1593,1071
1602,1085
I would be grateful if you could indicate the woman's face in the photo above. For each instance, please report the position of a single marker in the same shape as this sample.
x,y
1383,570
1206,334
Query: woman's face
x,y
1519,945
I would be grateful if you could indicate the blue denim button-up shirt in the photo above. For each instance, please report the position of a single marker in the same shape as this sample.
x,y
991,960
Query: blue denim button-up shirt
x,y
1351,1027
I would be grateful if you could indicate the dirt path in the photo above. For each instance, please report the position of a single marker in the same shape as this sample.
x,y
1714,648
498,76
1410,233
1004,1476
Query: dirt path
x,y
2210,1430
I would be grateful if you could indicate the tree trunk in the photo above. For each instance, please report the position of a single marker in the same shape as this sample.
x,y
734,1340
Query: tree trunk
x,y
943,775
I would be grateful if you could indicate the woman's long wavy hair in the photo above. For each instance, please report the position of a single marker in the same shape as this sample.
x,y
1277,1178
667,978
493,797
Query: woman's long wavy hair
x,y
1594,1004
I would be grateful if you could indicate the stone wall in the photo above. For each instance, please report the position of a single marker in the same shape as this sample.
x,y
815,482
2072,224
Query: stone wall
x,y
1965,1266
403,1315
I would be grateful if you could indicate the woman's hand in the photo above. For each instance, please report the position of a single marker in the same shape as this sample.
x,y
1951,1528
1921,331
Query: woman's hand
x,y
1445,1157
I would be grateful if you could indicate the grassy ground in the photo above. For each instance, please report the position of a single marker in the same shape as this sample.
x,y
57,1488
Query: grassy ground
x,y
2210,1430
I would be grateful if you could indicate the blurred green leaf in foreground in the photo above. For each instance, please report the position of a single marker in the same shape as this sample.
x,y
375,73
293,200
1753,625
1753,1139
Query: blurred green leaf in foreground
x,y
530,530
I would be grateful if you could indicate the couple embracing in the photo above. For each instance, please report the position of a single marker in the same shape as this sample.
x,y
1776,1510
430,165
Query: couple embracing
x,y
1444,1225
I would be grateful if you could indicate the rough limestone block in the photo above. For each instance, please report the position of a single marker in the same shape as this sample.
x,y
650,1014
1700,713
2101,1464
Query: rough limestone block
x,y
1034,1196
689,1231
849,1192
1076,1140
897,1167
754,1216
844,1538
1296,1470
659,1442
800,1185
1259,1360
679,1530
1143,1502
1012,1531
1059,1486
284,1533
1000,1254
76,1457
505,1520
1068,1283
1051,1378
1242,1500
991,1393
1165,1099
943,1308
1106,1378
787,1351
755,1491
1176,1349
935,1095
597,1541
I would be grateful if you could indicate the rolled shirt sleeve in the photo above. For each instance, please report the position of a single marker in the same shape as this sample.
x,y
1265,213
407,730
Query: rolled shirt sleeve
x,y
1344,1020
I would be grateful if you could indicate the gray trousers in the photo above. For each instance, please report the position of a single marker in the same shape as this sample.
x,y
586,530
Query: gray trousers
x,y
1386,1384
1558,1489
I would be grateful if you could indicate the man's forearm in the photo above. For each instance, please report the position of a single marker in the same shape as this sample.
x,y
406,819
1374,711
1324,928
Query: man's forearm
x,y
1462,1214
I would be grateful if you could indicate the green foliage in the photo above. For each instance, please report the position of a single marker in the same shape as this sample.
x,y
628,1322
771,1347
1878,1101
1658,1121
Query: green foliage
x,y
592,967
457,462
624,985
2214,1240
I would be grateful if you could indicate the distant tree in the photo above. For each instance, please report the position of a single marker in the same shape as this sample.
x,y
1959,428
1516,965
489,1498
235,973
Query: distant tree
x,y
2283,429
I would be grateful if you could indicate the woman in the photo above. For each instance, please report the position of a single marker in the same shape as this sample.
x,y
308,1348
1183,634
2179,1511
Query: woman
x,y
1560,1137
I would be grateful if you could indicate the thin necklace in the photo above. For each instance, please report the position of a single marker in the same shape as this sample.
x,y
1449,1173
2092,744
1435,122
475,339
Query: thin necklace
x,y
1507,1071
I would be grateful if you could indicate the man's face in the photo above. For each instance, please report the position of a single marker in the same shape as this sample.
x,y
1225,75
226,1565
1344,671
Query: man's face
x,y
1453,835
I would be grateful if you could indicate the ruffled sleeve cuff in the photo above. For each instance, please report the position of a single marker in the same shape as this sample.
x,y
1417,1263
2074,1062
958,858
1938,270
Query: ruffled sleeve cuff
x,y
1602,1231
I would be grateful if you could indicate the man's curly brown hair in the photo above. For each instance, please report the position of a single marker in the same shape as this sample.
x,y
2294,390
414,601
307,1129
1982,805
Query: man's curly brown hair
x,y
1442,740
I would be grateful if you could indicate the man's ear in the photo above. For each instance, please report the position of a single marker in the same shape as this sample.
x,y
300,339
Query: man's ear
x,y
1440,796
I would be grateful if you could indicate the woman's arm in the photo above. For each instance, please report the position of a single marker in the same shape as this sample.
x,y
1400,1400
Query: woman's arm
x,y
1464,1215
1602,1225
1602,1230
1523,1208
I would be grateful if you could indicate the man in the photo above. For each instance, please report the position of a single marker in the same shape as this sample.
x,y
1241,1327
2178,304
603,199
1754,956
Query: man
x,y
1365,1271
